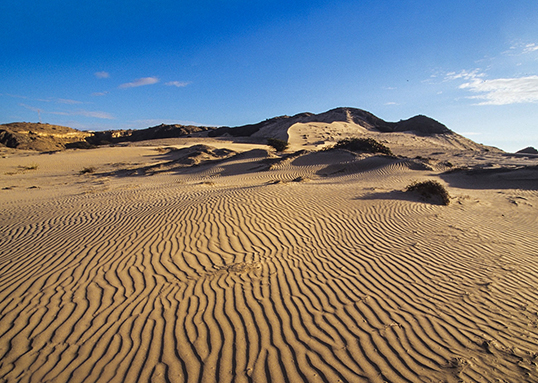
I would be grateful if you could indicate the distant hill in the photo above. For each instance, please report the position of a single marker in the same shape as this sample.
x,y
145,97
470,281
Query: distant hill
x,y
344,121
152,133
278,126
528,150
41,137
46,137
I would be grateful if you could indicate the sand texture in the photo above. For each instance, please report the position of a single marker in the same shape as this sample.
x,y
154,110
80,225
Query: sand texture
x,y
232,263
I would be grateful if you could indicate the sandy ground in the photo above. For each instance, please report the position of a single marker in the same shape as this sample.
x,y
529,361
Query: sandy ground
x,y
315,268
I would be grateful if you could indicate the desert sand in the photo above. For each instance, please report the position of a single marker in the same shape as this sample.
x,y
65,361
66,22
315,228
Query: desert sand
x,y
219,260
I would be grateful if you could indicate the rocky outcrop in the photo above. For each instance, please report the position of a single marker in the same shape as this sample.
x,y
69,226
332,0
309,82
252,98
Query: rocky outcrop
x,y
152,133
40,137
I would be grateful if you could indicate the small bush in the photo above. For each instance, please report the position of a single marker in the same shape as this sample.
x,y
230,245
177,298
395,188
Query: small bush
x,y
368,145
430,190
279,145
30,167
88,170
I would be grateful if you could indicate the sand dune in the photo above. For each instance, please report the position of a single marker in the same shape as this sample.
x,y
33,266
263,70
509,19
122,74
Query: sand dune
x,y
223,269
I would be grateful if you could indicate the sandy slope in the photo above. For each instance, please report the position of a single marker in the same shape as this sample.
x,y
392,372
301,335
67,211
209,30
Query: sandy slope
x,y
316,268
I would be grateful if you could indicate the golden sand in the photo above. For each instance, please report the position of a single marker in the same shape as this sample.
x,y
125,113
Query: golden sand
x,y
315,268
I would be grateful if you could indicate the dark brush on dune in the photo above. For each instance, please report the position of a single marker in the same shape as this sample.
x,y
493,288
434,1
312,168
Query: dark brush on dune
x,y
430,190
279,145
368,145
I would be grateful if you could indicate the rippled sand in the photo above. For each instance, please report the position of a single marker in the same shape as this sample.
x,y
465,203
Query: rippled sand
x,y
316,268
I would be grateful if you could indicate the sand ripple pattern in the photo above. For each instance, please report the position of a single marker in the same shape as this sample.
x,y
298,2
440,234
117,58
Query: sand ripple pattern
x,y
267,283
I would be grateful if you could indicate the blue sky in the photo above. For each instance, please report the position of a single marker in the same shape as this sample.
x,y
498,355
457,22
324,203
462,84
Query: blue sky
x,y
472,65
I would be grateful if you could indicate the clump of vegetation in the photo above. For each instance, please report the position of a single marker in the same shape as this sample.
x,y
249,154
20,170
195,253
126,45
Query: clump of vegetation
x,y
22,169
368,145
279,145
88,170
29,167
430,190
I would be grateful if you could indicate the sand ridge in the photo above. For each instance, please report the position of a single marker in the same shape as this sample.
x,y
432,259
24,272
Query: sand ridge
x,y
256,268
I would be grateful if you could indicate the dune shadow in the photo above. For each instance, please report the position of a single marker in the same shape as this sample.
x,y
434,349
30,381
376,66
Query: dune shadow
x,y
521,177
324,158
357,166
398,195
191,159
229,162
233,168
389,195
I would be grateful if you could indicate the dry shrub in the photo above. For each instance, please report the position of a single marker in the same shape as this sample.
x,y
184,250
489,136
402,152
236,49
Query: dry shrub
x,y
29,167
368,145
430,190
88,170
279,145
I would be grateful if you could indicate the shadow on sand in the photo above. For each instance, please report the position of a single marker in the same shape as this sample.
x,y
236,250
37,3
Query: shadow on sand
x,y
522,177
396,195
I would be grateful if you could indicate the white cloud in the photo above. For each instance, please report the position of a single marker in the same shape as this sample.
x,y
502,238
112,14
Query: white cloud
x,y
178,84
466,75
102,74
530,48
99,94
140,82
504,91
520,48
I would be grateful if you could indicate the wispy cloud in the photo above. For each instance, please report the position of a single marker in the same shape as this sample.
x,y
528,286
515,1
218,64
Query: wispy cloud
x,y
504,91
50,99
178,84
140,82
15,96
466,75
521,48
102,74
69,102
86,113
79,112
33,109
530,48
93,114
97,94
500,91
